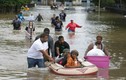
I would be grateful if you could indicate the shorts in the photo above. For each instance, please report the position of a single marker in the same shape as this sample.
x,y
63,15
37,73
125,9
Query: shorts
x,y
70,30
58,29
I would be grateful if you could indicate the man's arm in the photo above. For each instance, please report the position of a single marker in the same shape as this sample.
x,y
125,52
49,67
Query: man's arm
x,y
57,51
106,51
51,44
45,53
57,48
89,48
36,18
41,17
67,46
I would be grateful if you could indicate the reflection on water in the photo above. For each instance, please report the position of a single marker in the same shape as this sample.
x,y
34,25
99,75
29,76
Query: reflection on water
x,y
12,75
103,73
45,75
14,46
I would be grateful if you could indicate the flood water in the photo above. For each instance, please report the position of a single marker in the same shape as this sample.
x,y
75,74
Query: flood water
x,y
14,45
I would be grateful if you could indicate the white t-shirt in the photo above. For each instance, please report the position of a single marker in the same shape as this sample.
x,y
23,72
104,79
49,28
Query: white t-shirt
x,y
34,52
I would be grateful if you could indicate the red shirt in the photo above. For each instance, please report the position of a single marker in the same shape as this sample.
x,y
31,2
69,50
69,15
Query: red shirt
x,y
72,26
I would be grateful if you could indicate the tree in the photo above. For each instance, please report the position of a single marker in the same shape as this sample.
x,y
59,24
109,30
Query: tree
x,y
104,2
10,5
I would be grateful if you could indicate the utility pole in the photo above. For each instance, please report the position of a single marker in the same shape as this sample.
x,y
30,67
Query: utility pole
x,y
121,4
99,5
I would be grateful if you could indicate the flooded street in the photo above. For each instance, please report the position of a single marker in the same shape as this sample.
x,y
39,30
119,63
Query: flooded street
x,y
14,45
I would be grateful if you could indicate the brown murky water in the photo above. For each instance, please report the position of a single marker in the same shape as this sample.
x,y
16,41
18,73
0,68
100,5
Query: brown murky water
x,y
14,45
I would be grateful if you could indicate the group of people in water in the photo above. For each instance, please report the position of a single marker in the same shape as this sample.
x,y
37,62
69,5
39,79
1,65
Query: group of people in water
x,y
30,28
17,21
55,6
57,22
45,49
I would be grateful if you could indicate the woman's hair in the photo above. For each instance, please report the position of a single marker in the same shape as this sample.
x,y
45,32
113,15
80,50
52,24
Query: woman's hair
x,y
74,52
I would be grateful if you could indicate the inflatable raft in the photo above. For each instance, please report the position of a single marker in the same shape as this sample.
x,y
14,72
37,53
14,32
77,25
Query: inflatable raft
x,y
88,69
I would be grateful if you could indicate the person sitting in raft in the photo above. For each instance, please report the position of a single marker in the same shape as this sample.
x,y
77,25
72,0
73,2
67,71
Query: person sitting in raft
x,y
62,59
72,61
97,48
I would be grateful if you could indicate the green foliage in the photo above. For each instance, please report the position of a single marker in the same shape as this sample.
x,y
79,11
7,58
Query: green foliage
x,y
109,2
95,2
124,2
13,2
104,2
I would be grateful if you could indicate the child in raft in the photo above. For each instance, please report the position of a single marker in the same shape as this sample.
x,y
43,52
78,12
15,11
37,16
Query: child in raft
x,y
72,61
69,59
